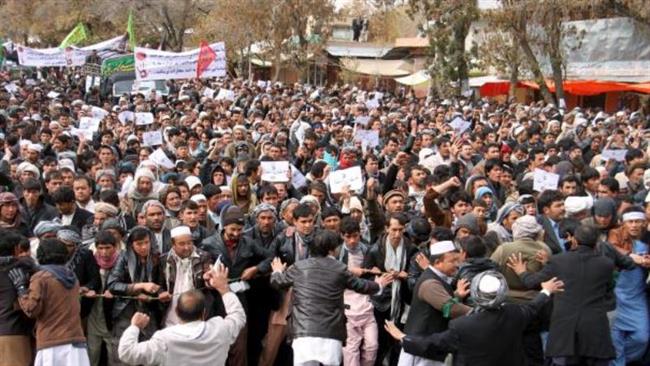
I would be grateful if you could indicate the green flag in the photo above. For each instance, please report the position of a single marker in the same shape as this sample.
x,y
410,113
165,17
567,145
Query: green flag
x,y
2,51
77,35
130,30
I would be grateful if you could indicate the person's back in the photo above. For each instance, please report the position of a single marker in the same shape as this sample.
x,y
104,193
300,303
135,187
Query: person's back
x,y
579,326
528,249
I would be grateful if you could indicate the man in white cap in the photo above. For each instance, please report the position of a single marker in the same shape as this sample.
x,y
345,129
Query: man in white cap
x,y
33,152
502,324
435,302
183,268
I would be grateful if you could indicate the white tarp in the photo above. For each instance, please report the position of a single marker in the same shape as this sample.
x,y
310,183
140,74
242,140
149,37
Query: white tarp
x,y
64,57
153,64
416,78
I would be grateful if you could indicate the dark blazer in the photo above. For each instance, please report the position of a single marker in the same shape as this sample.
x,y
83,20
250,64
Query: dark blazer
x,y
467,335
85,267
80,218
579,325
42,212
549,235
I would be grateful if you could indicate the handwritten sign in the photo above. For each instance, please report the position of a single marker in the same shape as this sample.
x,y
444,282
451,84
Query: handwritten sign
x,y
275,171
126,116
89,123
362,120
460,125
298,180
207,92
351,177
225,94
143,118
11,88
368,138
617,155
98,112
82,134
160,158
152,138
543,180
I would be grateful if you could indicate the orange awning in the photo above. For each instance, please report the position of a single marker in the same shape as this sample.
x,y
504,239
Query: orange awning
x,y
575,87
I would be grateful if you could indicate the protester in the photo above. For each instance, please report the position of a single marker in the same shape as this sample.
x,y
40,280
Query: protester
x,y
391,160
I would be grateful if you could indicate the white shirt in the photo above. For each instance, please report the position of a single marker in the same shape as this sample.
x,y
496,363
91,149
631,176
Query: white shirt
x,y
327,351
89,206
194,343
183,282
67,219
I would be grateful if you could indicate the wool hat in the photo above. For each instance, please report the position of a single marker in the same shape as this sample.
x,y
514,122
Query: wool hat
x,y
393,193
232,215
525,227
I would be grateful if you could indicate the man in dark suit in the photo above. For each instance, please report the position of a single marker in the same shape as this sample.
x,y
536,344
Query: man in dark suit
x,y
69,213
551,204
579,333
491,335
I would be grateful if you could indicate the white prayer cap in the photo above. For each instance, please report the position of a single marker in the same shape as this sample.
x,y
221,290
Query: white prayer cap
x,y
35,147
225,189
24,143
67,163
442,247
576,204
489,284
192,181
180,231
198,198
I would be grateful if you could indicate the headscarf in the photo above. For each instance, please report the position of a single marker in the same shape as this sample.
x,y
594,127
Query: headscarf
x,y
526,227
488,290
45,227
106,208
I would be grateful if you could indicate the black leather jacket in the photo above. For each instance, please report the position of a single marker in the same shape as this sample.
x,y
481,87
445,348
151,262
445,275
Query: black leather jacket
x,y
318,286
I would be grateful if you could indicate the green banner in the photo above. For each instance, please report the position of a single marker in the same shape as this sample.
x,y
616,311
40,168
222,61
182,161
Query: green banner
x,y
112,65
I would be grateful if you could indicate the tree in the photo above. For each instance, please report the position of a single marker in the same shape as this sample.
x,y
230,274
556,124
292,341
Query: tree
x,y
497,50
447,26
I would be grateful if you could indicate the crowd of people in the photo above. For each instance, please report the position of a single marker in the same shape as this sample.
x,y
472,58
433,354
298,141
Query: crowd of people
x,y
457,246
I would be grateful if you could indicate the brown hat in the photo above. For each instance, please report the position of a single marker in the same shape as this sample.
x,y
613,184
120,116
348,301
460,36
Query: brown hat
x,y
393,193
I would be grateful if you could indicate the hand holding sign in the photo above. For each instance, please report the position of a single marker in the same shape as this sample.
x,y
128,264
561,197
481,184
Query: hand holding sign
x,y
152,138
350,177
143,118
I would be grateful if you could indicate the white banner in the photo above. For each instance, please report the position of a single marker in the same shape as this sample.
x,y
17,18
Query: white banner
x,y
153,64
60,57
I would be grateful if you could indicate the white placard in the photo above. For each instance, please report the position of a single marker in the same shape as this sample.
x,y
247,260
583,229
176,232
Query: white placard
x,y
153,64
262,84
543,180
351,177
86,134
52,95
207,92
160,158
99,112
11,88
362,120
30,82
368,138
618,155
298,180
126,116
460,125
89,123
225,94
143,118
275,171
152,138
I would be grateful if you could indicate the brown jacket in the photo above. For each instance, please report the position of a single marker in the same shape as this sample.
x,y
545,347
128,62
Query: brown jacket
x,y
621,240
56,310
433,210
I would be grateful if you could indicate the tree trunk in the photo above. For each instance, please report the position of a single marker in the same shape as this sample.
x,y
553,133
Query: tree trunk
x,y
534,68
558,79
277,63
514,79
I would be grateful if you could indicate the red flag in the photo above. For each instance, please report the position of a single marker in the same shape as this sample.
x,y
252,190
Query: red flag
x,y
206,57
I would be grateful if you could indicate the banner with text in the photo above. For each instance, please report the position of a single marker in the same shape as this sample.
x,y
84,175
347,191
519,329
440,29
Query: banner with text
x,y
153,64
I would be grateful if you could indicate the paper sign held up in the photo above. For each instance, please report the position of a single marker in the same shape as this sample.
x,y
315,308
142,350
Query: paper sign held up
x,y
152,138
126,116
143,118
617,155
160,158
351,177
88,123
298,180
275,171
543,180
